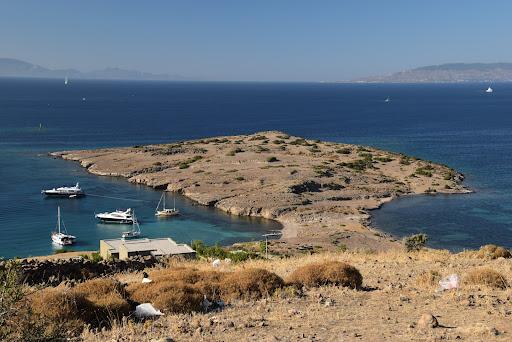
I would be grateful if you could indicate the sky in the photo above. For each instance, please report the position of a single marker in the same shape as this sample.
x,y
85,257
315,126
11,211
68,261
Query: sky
x,y
259,40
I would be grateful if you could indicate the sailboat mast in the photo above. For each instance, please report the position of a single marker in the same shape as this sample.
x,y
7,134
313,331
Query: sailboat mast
x,y
164,200
58,219
174,200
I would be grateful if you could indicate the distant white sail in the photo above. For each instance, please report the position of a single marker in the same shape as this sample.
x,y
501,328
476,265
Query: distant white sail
x,y
66,80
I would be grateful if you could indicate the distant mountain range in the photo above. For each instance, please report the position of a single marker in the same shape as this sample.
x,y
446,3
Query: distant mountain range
x,y
10,67
448,73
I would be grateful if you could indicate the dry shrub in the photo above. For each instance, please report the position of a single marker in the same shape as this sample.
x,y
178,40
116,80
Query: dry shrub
x,y
493,252
108,298
249,284
97,302
168,296
62,309
182,290
325,273
428,279
487,277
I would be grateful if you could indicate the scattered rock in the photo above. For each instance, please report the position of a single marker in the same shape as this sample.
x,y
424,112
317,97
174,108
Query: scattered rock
x,y
427,321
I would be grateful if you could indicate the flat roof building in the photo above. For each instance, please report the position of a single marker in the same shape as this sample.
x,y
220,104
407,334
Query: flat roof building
x,y
124,249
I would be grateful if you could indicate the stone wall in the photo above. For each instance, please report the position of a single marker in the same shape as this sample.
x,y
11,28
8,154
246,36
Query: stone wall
x,y
53,272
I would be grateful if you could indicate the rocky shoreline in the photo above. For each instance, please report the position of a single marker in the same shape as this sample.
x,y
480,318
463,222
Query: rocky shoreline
x,y
321,192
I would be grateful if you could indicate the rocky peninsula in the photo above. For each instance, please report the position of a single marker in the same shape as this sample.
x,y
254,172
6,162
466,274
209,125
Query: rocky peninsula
x,y
321,192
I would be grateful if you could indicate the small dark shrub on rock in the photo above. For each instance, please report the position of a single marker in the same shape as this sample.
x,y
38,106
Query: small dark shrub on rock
x,y
415,242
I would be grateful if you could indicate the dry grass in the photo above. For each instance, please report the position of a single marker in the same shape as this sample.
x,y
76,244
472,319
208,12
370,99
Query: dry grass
x,y
108,298
62,309
327,273
181,290
486,277
251,283
428,279
493,252
169,296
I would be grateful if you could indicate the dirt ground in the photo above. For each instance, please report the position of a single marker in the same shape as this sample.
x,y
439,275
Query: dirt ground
x,y
394,297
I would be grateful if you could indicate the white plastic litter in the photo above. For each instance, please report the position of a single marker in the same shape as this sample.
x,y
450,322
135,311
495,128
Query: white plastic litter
x,y
449,282
216,263
146,280
147,310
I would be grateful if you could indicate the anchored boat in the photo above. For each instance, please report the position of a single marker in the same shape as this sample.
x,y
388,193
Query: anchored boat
x,y
118,216
135,232
166,212
65,191
58,236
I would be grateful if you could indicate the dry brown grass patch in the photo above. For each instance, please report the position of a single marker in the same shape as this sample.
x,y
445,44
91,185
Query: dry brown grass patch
x,y
251,283
486,277
168,296
61,308
493,252
325,273
108,297
428,279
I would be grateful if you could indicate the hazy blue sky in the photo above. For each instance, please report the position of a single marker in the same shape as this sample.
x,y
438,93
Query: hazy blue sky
x,y
256,40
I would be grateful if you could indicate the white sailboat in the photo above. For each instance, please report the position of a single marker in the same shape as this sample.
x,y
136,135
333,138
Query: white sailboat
x,y
135,232
166,212
489,90
59,237
66,80
387,99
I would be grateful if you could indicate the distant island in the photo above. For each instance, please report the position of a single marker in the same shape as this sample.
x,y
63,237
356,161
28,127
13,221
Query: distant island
x,y
10,67
448,73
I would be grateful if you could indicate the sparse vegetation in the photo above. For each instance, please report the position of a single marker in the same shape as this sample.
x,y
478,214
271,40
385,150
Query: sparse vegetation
x,y
234,151
185,164
327,273
415,242
428,279
486,277
493,252
272,159
344,150
426,170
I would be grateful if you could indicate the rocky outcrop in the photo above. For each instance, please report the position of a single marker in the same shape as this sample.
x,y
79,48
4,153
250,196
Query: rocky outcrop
x,y
314,188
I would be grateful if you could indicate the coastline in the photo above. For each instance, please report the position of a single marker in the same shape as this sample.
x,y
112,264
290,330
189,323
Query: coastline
x,y
322,193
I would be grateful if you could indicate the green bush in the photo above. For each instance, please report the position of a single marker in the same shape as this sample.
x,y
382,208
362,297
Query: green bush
x,y
344,150
415,242
62,250
203,250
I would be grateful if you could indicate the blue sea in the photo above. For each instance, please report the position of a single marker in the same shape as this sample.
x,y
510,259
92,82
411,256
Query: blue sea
x,y
455,124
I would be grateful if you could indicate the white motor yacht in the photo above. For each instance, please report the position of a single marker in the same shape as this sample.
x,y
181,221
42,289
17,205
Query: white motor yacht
x,y
118,216
65,191
58,236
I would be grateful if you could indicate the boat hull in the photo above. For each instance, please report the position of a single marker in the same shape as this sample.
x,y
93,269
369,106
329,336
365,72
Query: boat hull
x,y
113,220
63,195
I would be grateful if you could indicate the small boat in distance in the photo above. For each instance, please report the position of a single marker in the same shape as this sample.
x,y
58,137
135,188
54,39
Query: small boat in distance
x,y
66,80
388,99
166,212
489,90
135,232
118,216
60,238
65,191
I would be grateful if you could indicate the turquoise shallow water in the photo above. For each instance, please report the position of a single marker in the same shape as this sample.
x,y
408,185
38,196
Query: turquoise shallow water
x,y
456,124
